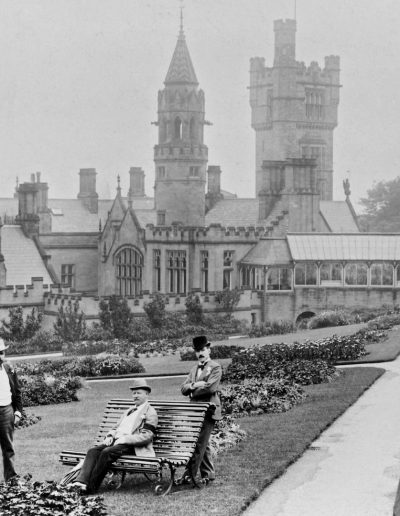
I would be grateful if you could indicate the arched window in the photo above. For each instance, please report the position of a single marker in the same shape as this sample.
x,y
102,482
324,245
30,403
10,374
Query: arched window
x,y
382,274
129,264
305,274
356,274
178,128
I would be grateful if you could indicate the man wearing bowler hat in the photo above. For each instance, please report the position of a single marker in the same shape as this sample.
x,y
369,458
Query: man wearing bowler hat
x,y
202,384
10,411
133,435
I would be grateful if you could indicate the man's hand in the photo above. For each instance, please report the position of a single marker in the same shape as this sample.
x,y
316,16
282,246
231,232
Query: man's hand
x,y
108,440
17,418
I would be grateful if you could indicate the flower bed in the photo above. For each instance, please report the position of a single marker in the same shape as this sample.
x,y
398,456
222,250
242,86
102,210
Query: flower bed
x,y
227,434
217,351
43,389
107,365
24,497
256,396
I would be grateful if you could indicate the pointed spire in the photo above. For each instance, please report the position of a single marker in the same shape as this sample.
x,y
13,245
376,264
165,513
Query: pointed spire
x,y
181,70
118,185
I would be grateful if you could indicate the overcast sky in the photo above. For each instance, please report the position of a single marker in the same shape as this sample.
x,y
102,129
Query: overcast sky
x,y
80,78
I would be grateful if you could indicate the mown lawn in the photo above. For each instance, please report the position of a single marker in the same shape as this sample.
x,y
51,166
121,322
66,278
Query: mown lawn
x,y
274,441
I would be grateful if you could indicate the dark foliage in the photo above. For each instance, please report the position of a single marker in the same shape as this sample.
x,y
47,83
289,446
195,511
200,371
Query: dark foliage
x,y
43,389
115,316
18,329
155,310
194,310
227,299
217,351
70,324
22,497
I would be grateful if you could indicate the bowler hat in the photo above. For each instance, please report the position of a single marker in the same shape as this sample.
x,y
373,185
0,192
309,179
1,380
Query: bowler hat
x,y
200,342
2,345
140,383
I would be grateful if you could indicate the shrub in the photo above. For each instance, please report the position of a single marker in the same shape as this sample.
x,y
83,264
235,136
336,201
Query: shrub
x,y
305,372
384,322
329,318
70,323
23,497
44,389
194,310
155,310
97,332
115,316
256,396
228,299
27,420
226,434
272,328
217,352
43,341
87,366
16,328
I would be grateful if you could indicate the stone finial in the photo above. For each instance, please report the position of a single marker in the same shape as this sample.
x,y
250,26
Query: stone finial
x,y
346,187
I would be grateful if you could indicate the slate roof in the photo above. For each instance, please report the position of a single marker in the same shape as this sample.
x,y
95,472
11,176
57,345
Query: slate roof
x,y
22,259
268,251
338,216
337,247
234,212
181,70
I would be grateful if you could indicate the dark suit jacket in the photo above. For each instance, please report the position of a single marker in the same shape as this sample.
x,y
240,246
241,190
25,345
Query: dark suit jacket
x,y
16,398
211,374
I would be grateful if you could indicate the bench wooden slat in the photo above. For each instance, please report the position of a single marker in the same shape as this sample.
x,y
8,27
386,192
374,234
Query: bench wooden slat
x,y
176,436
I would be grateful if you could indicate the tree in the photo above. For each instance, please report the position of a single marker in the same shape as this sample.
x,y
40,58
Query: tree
x,y
116,316
228,299
70,324
16,328
155,311
194,310
382,207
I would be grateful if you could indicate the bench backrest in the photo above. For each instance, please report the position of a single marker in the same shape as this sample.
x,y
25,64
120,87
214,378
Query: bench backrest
x,y
179,425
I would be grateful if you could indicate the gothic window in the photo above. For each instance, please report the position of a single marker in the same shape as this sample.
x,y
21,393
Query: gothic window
x,y
68,275
228,269
160,172
279,278
331,274
178,128
176,272
161,218
314,103
129,272
157,270
305,274
204,270
192,129
356,274
382,274
251,276
194,171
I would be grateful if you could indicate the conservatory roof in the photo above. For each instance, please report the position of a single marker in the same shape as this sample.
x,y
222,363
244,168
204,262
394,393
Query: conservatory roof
x,y
355,246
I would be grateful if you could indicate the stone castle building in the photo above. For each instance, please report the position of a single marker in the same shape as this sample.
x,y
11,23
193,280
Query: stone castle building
x,y
291,250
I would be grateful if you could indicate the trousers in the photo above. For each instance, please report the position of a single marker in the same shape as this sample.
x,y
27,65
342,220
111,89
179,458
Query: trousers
x,y
6,440
201,458
97,461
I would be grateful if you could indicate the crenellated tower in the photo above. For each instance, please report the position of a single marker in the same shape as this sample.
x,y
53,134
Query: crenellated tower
x,y
294,109
180,155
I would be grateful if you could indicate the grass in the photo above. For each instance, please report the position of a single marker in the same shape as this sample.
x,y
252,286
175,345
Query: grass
x,y
274,442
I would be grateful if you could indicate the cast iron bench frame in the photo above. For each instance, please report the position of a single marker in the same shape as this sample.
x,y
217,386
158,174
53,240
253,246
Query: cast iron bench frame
x,y
179,425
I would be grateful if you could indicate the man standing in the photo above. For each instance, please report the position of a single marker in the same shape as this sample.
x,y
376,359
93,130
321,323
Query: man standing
x,y
202,384
133,435
10,411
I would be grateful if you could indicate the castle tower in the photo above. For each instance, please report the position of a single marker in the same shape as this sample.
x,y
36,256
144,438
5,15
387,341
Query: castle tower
x,y
294,109
180,155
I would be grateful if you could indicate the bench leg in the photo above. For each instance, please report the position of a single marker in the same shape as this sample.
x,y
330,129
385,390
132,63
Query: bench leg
x,y
119,485
161,489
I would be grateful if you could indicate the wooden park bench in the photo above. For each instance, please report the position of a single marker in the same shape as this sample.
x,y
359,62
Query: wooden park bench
x,y
179,425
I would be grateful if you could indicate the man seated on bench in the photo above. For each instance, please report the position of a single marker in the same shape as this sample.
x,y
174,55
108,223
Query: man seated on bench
x,y
133,435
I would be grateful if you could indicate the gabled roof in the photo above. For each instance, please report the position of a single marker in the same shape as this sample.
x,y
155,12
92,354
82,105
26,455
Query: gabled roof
x,y
338,216
181,70
337,247
22,259
268,251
